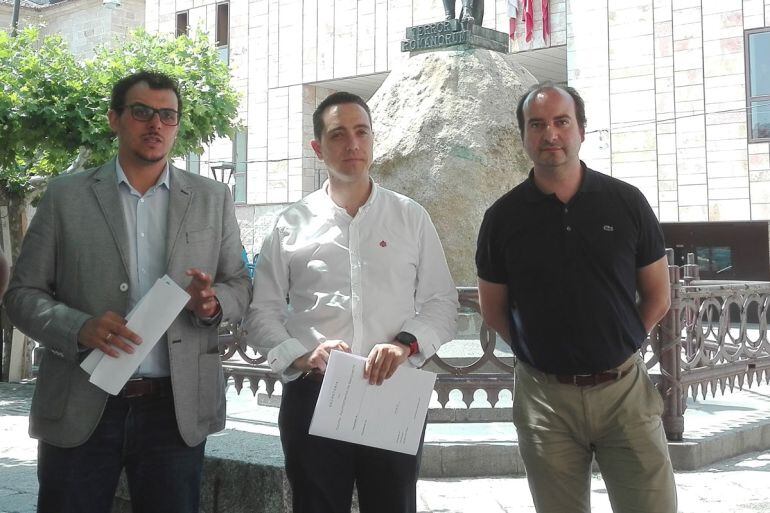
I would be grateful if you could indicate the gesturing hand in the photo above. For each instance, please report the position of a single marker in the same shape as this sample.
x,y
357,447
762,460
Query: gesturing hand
x,y
318,357
203,298
383,361
104,333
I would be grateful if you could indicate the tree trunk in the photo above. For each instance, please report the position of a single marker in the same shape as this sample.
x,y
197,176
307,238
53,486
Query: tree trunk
x,y
13,214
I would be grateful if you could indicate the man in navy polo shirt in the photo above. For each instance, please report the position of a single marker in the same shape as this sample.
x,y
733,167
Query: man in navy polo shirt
x,y
561,259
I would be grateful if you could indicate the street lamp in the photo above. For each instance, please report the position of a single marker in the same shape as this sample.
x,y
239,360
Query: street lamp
x,y
15,18
222,167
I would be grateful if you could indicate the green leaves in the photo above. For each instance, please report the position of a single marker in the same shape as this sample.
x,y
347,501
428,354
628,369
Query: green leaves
x,y
51,105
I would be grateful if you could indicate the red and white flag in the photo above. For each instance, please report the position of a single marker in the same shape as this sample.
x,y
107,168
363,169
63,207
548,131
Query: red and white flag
x,y
546,22
529,19
513,14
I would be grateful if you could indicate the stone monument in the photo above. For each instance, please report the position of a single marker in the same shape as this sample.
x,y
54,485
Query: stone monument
x,y
446,133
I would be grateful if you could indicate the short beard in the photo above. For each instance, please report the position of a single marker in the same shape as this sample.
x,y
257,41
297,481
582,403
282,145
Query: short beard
x,y
151,160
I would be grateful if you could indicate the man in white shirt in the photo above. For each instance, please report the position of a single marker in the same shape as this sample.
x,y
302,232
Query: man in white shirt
x,y
364,272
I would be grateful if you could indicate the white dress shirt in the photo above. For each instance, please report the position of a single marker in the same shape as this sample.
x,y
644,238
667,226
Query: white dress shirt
x,y
359,279
146,217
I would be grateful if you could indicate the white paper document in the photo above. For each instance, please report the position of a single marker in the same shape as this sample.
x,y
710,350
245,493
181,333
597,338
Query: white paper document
x,y
149,319
389,416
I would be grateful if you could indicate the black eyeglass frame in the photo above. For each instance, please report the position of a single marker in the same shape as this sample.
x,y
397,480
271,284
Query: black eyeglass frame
x,y
159,112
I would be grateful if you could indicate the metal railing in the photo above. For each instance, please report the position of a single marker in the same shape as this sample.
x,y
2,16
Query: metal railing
x,y
714,338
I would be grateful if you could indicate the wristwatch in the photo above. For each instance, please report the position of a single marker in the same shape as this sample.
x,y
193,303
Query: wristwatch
x,y
409,341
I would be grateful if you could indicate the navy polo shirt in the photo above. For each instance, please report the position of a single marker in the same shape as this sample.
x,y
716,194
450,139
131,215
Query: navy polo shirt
x,y
571,271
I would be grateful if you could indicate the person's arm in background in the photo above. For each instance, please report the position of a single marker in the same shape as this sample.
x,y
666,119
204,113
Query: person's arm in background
x,y
493,300
654,292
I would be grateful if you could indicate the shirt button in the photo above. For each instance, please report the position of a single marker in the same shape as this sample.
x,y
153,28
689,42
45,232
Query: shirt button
x,y
569,228
123,287
141,200
142,234
566,210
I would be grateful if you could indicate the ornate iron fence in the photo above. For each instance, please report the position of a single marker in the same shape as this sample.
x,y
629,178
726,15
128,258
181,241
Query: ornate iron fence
x,y
714,338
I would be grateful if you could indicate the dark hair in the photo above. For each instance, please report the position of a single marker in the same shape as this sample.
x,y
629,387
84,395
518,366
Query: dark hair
x,y
153,79
580,107
335,99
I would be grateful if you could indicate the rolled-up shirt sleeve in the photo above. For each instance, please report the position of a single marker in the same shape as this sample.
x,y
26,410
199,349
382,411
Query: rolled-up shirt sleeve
x,y
436,303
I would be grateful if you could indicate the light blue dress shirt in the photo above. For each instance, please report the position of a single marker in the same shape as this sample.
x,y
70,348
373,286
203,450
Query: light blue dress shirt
x,y
146,224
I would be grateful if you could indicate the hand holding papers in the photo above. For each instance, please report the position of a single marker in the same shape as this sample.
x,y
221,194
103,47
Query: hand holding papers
x,y
149,319
389,416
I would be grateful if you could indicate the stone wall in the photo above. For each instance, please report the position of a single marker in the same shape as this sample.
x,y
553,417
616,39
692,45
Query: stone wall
x,y
665,90
83,24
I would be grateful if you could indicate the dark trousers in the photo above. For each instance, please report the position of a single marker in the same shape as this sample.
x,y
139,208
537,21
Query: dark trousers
x,y
140,434
322,471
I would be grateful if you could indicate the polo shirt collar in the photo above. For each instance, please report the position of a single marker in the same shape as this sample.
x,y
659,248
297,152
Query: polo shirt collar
x,y
589,183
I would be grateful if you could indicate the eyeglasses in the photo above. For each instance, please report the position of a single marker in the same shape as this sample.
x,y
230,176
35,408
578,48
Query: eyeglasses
x,y
141,112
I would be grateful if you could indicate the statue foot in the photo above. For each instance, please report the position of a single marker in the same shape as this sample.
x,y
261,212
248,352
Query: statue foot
x,y
467,20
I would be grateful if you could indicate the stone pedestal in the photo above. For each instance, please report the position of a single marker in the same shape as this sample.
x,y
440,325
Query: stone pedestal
x,y
446,135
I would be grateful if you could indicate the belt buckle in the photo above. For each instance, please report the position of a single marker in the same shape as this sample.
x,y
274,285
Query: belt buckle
x,y
576,376
129,395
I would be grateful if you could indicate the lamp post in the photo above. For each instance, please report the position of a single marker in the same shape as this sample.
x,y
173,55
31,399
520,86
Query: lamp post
x,y
15,18
222,167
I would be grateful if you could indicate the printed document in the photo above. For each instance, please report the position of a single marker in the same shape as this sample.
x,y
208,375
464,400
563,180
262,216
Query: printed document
x,y
149,319
389,416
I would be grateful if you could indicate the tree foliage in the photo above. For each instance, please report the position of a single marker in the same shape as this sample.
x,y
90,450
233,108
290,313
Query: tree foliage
x,y
53,108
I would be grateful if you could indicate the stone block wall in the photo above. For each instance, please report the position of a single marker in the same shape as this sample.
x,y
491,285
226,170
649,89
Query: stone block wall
x,y
665,90
83,24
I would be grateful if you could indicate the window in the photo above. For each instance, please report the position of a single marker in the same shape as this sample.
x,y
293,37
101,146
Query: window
x,y
758,83
239,161
223,31
714,259
182,23
194,163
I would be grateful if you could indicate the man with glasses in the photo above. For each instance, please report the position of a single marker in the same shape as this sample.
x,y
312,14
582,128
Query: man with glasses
x,y
99,240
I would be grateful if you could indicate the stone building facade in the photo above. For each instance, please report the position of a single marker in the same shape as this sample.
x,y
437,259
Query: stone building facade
x,y
84,24
665,84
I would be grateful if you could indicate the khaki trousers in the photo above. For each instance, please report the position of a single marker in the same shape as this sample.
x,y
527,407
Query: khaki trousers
x,y
561,427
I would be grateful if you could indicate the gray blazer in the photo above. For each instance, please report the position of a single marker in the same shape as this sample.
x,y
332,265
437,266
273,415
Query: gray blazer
x,y
73,266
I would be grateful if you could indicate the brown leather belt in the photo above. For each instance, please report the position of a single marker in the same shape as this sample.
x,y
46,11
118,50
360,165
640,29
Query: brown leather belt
x,y
591,380
146,387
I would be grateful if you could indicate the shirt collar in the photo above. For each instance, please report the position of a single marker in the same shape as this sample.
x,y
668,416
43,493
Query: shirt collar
x,y
333,206
163,179
590,182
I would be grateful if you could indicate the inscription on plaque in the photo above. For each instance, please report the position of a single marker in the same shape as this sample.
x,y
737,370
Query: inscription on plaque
x,y
434,35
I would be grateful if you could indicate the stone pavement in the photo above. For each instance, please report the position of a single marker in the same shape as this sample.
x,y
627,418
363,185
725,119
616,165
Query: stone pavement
x,y
715,426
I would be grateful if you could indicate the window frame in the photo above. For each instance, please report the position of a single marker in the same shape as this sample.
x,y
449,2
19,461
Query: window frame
x,y
240,166
186,31
750,99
